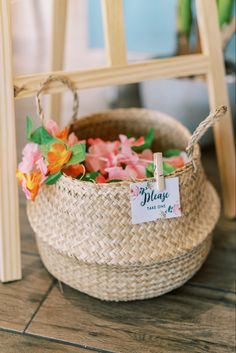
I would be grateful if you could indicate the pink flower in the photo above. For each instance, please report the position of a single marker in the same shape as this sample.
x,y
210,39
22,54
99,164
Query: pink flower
x,y
92,141
117,173
42,166
51,127
31,154
101,155
130,172
147,155
138,169
72,139
126,154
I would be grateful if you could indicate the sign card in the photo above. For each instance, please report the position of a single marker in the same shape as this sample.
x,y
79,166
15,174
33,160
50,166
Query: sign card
x,y
149,204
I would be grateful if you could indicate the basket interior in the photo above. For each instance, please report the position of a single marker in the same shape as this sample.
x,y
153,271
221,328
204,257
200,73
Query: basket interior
x,y
134,122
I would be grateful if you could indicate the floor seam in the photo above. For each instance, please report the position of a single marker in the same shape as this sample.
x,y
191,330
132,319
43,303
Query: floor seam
x,y
55,340
68,343
40,304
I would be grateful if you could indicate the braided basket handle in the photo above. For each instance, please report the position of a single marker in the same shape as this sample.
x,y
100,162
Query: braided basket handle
x,y
65,81
212,118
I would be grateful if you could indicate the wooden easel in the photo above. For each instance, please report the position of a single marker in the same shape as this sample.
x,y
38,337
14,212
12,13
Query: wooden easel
x,y
118,71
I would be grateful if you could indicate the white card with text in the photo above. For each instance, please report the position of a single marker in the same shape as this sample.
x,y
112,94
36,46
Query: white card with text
x,y
148,204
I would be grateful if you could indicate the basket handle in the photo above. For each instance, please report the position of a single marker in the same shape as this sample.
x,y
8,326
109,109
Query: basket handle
x,y
209,121
65,81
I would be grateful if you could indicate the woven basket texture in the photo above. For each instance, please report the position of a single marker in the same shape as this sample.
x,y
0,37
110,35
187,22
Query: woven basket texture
x,y
84,230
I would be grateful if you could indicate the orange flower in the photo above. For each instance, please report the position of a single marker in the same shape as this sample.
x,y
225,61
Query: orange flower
x,y
74,170
63,134
33,182
30,182
57,156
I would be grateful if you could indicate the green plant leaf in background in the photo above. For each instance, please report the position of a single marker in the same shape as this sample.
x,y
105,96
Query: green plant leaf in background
x,y
53,178
78,154
184,17
28,127
225,8
148,141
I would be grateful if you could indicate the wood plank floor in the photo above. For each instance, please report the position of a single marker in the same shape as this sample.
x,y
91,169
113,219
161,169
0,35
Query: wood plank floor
x,y
199,317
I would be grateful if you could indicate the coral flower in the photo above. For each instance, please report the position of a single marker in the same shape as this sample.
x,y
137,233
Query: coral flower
x,y
176,161
100,179
57,156
74,170
53,129
63,134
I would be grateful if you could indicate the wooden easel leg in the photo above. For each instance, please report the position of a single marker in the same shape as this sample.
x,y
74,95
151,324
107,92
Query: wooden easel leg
x,y
10,259
59,11
223,131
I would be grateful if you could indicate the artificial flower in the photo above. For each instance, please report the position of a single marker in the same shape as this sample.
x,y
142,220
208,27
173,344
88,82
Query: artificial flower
x,y
31,154
53,129
74,170
176,162
72,139
101,155
146,155
42,166
30,182
100,179
57,157
117,173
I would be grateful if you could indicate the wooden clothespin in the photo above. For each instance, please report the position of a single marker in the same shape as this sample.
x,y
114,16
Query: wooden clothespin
x,y
158,171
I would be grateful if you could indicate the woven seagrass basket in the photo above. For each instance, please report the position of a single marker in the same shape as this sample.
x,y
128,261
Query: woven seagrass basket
x,y
84,230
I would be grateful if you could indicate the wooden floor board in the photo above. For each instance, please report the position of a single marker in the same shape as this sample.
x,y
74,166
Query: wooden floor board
x,y
28,243
190,319
19,300
218,272
17,343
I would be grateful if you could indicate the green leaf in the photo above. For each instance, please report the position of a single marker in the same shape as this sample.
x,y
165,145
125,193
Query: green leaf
x,y
150,170
41,136
114,181
78,154
148,141
53,178
167,169
28,127
90,176
45,149
171,153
